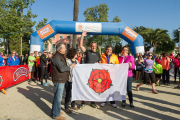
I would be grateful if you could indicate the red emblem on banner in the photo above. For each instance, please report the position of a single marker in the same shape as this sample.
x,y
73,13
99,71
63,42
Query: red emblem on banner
x,y
99,80
20,72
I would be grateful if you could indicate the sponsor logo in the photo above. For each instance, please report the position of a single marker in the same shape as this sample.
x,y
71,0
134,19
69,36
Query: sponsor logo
x,y
45,31
1,80
22,71
89,27
130,34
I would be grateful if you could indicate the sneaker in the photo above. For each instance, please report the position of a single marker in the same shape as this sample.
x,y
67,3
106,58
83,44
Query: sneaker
x,y
123,104
157,83
43,84
131,105
137,88
94,105
114,105
136,81
103,104
47,83
30,80
81,106
155,92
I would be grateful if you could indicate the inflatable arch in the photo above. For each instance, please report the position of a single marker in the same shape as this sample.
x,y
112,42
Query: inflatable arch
x,y
93,28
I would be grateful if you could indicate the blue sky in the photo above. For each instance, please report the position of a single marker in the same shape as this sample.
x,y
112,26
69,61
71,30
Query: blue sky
x,y
163,14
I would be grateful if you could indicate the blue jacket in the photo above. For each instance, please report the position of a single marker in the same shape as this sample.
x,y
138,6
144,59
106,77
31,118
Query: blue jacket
x,y
1,61
11,62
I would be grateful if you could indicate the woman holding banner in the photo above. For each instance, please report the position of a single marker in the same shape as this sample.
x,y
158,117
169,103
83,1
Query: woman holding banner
x,y
125,58
71,55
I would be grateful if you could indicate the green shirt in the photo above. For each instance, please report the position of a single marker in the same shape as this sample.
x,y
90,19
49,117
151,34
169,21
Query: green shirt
x,y
31,58
159,67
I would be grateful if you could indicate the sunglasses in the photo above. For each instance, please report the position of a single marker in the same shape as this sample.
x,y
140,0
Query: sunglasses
x,y
149,55
45,52
93,42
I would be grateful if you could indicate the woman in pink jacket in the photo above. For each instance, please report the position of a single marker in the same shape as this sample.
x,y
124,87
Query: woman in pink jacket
x,y
125,58
176,66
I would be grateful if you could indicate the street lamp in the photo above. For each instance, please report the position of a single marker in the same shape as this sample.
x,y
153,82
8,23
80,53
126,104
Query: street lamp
x,y
179,40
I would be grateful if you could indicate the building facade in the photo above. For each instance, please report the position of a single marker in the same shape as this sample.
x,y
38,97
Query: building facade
x,y
62,38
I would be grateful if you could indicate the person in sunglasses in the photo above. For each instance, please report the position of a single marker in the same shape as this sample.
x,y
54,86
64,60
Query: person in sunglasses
x,y
148,73
13,60
91,57
43,62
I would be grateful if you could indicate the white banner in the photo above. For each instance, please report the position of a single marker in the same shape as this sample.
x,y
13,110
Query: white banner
x,y
99,82
89,27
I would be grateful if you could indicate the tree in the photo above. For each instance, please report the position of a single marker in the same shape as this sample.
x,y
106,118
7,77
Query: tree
x,y
75,18
113,39
158,38
14,24
100,14
40,25
176,35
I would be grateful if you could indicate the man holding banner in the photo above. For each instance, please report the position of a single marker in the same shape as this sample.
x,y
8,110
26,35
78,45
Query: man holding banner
x,y
60,76
109,58
91,57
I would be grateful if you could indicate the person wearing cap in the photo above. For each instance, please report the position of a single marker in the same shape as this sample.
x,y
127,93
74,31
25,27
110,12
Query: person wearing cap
x,y
31,66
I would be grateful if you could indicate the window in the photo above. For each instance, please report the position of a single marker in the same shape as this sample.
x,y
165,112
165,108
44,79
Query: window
x,y
68,46
45,46
68,37
76,46
53,37
53,46
61,37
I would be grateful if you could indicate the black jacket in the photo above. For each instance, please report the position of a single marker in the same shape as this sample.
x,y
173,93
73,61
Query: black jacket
x,y
43,60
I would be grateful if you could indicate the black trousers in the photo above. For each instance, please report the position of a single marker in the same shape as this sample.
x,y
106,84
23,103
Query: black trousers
x,y
35,72
175,72
165,73
39,73
129,89
43,73
68,87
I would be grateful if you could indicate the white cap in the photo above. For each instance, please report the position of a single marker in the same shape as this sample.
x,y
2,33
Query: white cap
x,y
31,52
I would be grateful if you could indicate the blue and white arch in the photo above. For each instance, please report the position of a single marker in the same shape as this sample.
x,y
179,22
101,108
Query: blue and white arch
x,y
38,38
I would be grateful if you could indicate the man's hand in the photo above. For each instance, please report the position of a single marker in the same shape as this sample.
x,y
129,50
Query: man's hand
x,y
157,71
84,33
72,65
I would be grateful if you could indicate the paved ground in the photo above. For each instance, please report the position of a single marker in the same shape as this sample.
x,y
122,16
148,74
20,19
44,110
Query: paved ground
x,y
33,102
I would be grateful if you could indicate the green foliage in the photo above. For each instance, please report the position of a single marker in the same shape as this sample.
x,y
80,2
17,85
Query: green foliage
x,y
118,48
13,21
158,38
40,25
100,14
176,35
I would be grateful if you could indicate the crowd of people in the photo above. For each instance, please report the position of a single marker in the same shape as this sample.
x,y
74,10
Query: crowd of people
x,y
59,65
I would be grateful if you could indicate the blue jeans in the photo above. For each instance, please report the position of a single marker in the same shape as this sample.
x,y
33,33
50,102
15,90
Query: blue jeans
x,y
58,93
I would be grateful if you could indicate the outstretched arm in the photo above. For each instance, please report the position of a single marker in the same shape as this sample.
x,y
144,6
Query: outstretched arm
x,y
83,49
